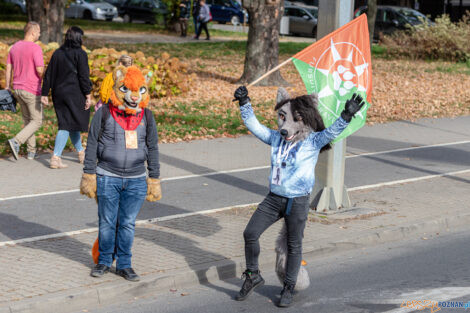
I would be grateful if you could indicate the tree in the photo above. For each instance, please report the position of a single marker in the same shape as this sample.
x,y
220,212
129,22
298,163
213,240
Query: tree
x,y
50,16
262,50
371,14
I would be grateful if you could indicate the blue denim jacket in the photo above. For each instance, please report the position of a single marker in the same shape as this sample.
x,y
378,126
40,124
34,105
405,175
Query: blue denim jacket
x,y
294,162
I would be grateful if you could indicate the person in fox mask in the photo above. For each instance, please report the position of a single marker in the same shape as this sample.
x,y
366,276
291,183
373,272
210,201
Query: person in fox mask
x,y
122,138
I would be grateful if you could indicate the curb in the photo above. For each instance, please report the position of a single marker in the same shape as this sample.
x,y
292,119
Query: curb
x,y
207,273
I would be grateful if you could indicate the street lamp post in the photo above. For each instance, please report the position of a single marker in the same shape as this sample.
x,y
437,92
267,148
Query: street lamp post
x,y
330,193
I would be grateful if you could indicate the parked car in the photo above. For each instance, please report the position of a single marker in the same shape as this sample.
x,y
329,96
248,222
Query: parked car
x,y
302,20
117,3
91,9
142,10
19,5
224,11
392,18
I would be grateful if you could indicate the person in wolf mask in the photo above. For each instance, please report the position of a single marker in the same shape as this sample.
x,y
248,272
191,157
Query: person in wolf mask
x,y
294,153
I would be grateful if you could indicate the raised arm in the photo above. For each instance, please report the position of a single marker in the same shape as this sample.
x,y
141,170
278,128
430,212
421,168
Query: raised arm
x,y
351,107
263,133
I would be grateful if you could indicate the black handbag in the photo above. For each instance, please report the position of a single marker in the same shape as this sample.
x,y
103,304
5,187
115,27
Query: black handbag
x,y
7,101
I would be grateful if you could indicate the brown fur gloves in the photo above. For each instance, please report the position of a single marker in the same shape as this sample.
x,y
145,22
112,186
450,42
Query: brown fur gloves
x,y
88,185
154,190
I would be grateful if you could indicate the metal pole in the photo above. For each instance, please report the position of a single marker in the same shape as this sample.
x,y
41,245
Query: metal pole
x,y
330,193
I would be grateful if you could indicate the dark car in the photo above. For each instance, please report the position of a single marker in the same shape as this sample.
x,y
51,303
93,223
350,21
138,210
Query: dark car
x,y
117,3
224,11
18,5
392,18
142,10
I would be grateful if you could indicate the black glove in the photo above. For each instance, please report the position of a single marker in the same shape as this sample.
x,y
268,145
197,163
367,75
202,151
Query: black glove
x,y
351,107
241,95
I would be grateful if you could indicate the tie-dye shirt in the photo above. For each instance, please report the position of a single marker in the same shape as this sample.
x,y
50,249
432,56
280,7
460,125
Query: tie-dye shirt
x,y
292,164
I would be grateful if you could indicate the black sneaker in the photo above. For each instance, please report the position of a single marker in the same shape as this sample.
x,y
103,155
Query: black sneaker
x,y
128,273
252,280
99,270
287,294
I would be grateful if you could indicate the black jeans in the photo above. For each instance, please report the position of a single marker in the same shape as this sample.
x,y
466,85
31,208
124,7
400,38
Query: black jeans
x,y
269,211
202,26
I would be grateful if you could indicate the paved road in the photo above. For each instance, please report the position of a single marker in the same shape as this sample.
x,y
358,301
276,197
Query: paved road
x,y
370,280
376,154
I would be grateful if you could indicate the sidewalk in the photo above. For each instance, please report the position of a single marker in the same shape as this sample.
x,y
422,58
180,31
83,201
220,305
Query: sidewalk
x,y
53,275
24,177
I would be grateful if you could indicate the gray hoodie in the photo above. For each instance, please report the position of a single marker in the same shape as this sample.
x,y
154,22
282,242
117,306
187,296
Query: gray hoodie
x,y
204,14
106,147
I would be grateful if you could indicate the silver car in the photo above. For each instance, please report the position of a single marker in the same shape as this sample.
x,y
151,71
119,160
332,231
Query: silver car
x,y
91,9
302,20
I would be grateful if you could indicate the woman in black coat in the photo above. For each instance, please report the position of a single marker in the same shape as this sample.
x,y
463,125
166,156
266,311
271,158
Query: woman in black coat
x,y
68,75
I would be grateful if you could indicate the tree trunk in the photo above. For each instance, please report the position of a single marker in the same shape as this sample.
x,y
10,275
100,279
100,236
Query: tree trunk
x,y
371,14
50,15
262,50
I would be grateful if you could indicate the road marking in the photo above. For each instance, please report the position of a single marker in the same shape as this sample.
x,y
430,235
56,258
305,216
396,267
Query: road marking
x,y
409,180
171,217
438,294
407,149
239,170
139,222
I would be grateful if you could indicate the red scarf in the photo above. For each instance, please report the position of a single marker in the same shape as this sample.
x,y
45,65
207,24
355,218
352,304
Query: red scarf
x,y
126,121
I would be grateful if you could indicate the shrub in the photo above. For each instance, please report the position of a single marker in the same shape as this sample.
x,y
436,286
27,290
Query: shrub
x,y
443,40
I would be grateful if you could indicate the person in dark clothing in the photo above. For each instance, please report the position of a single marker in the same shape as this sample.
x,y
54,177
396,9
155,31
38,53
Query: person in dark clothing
x,y
185,7
204,18
195,13
68,76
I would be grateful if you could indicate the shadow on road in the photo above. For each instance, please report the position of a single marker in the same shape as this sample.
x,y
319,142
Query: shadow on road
x,y
221,178
67,247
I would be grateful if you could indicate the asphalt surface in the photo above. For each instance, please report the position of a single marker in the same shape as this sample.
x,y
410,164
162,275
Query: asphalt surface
x,y
375,155
369,280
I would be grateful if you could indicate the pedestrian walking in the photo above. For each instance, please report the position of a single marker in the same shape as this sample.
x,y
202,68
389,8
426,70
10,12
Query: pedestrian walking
x,y
68,78
25,61
204,18
185,6
195,13
108,82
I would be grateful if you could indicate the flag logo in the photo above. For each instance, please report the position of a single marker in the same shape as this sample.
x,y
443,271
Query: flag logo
x,y
336,67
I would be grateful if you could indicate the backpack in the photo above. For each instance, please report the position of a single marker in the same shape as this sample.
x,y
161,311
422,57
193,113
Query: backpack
x,y
7,101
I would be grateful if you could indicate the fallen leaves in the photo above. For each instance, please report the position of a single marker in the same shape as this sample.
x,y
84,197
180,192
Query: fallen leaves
x,y
402,90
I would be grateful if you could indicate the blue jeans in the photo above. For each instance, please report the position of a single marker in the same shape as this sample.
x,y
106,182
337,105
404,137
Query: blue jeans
x,y
61,141
196,24
119,202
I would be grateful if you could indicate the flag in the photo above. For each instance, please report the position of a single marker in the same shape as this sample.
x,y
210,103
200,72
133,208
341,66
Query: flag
x,y
336,67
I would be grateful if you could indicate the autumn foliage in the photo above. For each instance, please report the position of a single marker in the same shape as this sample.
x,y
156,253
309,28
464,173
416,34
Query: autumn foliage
x,y
444,40
168,78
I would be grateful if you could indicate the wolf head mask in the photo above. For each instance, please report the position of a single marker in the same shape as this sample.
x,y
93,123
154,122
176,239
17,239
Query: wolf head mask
x,y
298,117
